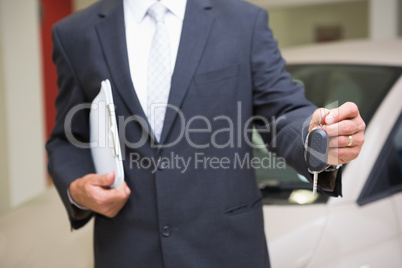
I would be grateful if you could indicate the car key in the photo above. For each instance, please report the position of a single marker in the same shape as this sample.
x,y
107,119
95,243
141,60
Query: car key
x,y
317,152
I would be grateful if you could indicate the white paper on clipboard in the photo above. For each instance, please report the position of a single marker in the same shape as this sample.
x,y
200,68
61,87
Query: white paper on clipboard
x,y
104,136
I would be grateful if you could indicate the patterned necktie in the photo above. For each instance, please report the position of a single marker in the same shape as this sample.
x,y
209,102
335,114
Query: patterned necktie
x,y
159,73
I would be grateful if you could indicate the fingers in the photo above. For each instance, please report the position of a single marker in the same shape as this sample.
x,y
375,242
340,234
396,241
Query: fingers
x,y
337,156
91,191
103,180
346,141
121,193
348,110
319,114
345,128
114,200
343,149
125,189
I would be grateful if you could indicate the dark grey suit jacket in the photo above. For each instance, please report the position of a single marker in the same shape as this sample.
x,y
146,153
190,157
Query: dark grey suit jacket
x,y
228,65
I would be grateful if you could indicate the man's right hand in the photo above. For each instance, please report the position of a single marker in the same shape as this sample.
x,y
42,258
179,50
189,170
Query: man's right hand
x,y
92,192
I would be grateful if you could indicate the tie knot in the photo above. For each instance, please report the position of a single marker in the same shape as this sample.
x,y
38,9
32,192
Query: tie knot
x,y
157,11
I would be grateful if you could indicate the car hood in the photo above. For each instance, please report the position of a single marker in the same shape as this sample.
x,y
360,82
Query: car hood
x,y
286,226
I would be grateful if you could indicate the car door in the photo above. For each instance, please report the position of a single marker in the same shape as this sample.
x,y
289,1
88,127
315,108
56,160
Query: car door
x,y
367,233
337,232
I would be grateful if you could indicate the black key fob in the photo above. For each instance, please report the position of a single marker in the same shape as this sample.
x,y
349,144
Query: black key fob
x,y
317,150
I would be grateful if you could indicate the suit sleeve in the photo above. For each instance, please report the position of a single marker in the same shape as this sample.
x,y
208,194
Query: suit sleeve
x,y
69,158
282,102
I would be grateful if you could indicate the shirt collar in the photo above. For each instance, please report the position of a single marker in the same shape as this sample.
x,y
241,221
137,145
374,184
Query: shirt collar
x,y
139,8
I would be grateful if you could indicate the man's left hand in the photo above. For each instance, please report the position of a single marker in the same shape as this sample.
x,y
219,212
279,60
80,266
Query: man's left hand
x,y
345,128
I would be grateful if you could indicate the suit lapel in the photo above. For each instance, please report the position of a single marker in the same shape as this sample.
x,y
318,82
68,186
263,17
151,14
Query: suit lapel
x,y
112,36
197,23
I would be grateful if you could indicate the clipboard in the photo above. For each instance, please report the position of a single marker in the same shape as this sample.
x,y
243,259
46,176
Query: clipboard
x,y
104,136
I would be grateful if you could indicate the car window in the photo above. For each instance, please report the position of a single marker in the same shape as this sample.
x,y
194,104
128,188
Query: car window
x,y
326,86
333,85
386,177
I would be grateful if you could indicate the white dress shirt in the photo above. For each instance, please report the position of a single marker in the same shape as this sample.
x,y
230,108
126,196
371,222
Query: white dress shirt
x,y
140,28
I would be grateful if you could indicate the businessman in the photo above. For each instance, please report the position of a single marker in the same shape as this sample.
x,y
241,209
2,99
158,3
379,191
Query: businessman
x,y
190,81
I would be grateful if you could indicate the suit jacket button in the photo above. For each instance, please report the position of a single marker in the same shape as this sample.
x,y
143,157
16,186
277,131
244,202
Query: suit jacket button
x,y
161,165
166,231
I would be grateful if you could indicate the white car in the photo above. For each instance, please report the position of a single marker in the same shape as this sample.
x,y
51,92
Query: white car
x,y
363,228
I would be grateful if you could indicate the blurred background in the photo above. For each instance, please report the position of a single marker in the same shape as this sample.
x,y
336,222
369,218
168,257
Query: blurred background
x,y
34,231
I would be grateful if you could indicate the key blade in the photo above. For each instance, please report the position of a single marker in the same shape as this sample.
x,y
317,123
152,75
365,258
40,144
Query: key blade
x,y
315,182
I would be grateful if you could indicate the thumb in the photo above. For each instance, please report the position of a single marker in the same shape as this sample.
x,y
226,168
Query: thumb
x,y
319,116
105,180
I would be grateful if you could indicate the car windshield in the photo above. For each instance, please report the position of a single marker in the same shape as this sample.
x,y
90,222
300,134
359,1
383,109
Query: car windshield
x,y
326,86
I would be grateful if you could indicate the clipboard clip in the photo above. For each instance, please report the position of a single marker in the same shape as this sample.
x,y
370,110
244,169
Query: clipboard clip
x,y
113,128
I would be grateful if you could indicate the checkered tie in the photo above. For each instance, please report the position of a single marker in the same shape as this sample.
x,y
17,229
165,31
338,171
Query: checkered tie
x,y
159,73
